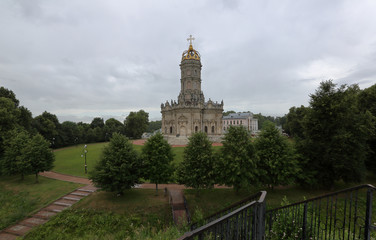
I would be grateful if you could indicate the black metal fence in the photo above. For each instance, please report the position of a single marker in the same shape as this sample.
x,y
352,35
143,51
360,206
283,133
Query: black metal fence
x,y
246,222
346,214
226,210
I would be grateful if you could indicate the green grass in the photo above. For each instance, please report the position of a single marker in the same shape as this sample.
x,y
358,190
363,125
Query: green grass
x,y
138,214
19,199
209,201
69,160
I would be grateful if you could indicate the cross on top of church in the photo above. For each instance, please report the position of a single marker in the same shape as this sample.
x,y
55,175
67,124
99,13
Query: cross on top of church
x,y
190,39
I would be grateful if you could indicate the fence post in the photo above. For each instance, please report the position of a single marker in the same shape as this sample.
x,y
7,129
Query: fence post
x,y
367,224
304,228
260,221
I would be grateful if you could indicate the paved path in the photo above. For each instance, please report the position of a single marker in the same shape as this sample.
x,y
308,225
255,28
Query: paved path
x,y
65,177
44,214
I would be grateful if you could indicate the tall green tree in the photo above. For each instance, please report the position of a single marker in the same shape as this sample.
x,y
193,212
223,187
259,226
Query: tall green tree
x,y
197,168
367,104
97,122
39,155
47,124
15,161
6,93
277,163
335,134
136,124
119,167
238,164
157,158
112,126
294,121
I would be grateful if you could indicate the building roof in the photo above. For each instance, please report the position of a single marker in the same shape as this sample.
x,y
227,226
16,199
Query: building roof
x,y
238,116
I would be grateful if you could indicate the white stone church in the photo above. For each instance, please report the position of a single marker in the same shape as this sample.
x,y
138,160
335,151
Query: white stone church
x,y
191,113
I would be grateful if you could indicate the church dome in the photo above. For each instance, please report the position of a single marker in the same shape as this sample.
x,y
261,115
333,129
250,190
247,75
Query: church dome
x,y
191,54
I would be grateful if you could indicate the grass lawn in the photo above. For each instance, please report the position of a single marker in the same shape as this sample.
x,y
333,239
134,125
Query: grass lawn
x,y
209,201
138,214
69,160
19,199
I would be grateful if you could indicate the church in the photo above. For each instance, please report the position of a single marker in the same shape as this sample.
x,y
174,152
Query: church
x,y
191,114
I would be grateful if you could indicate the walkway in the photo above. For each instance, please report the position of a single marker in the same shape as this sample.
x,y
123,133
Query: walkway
x,y
44,214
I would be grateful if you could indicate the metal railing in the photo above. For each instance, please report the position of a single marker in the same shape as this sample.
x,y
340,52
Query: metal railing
x,y
246,222
345,214
226,210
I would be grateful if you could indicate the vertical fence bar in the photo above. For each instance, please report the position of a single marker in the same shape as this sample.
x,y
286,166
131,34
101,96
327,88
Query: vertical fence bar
x,y
304,234
368,215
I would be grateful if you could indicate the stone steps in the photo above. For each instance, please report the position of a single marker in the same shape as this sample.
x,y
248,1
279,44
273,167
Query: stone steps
x,y
41,217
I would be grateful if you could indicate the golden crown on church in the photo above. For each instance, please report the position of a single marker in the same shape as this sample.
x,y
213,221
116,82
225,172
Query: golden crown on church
x,y
190,53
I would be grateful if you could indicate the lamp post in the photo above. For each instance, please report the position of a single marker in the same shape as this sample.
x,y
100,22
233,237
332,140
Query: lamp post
x,y
85,151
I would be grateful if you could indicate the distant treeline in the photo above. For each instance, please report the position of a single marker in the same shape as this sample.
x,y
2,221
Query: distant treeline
x,y
68,133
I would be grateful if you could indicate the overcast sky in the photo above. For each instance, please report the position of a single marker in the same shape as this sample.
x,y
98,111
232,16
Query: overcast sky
x,y
88,58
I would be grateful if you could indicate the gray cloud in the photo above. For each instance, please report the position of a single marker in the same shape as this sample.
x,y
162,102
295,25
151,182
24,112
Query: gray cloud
x,y
82,59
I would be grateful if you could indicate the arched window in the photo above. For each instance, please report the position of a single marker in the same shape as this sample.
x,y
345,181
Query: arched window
x,y
212,129
170,130
196,129
206,129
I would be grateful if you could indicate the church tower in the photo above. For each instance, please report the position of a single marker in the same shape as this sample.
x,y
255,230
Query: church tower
x,y
190,68
191,113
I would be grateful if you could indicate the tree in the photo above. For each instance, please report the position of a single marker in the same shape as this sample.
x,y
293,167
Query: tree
x,y
15,161
97,122
238,162
294,122
9,115
228,113
112,126
39,155
119,167
154,126
25,119
47,125
157,157
334,138
367,105
6,93
69,133
197,168
277,162
136,124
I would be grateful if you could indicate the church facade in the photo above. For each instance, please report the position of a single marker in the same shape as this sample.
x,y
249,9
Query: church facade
x,y
191,114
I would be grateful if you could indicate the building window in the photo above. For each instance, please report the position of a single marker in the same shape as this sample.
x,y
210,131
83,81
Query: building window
x,y
206,129
212,129
196,129
237,122
165,130
170,130
241,122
